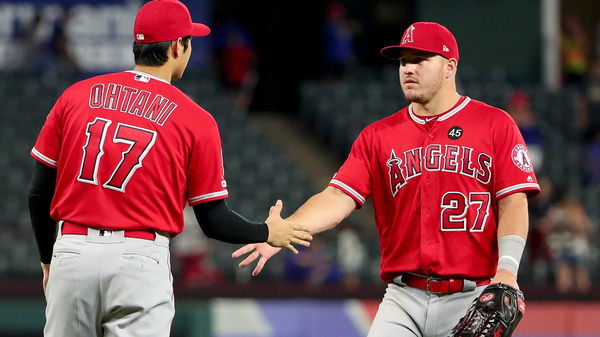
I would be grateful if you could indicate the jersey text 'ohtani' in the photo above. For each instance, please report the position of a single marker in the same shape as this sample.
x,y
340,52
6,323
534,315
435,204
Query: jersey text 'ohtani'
x,y
130,100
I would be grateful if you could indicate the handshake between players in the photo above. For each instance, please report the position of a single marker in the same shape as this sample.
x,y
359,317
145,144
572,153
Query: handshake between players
x,y
284,233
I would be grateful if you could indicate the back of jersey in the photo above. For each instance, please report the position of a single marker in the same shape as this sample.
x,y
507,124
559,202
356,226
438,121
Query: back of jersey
x,y
130,149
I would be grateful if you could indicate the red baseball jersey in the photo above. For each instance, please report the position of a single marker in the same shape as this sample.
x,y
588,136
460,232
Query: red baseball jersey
x,y
130,150
435,185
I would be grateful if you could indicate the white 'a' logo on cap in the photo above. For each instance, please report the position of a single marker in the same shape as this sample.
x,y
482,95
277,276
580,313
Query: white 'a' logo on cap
x,y
408,35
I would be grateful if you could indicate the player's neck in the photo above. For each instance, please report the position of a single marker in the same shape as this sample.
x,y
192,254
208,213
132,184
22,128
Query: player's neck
x,y
160,72
440,103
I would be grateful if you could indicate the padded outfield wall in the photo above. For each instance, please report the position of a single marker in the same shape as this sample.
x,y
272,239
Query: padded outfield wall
x,y
221,317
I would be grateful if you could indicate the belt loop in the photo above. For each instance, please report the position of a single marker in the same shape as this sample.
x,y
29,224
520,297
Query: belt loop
x,y
161,239
468,285
60,226
398,280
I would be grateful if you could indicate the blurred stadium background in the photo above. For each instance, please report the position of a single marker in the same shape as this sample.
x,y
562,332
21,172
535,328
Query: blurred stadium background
x,y
291,83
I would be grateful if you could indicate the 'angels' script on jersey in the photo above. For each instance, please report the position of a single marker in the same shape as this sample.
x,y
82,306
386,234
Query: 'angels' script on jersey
x,y
130,100
436,157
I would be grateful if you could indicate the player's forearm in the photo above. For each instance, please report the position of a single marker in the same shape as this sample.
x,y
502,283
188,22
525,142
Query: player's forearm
x,y
513,218
220,222
512,233
41,192
324,210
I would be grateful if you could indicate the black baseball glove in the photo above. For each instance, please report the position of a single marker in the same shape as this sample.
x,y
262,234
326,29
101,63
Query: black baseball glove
x,y
495,313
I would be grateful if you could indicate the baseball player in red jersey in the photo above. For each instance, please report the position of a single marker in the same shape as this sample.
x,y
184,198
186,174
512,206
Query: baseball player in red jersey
x,y
118,158
449,177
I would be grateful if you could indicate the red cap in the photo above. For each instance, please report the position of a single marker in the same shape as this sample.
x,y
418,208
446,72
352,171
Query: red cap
x,y
165,20
426,36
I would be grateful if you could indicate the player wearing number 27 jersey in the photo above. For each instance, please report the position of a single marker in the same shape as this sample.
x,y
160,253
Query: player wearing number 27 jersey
x,y
116,125
449,178
440,181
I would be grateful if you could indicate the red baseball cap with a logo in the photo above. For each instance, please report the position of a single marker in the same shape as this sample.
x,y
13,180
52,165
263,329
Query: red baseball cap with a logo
x,y
427,36
165,20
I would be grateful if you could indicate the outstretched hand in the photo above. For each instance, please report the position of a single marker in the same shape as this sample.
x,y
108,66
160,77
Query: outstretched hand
x,y
281,234
285,234
254,250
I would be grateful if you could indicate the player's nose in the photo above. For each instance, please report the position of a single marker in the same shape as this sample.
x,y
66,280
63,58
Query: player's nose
x,y
407,68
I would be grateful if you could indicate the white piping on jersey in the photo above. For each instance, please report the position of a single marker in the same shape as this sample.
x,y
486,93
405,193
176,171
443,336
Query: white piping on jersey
x,y
348,189
137,72
208,196
444,117
44,158
516,187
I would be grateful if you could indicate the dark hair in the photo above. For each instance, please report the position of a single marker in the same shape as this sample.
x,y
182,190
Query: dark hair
x,y
155,54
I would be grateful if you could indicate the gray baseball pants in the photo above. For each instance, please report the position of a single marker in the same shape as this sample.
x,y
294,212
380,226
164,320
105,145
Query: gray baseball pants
x,y
104,284
411,312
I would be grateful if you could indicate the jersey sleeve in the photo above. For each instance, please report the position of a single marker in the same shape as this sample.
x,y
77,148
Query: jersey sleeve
x,y
47,146
354,177
513,168
206,175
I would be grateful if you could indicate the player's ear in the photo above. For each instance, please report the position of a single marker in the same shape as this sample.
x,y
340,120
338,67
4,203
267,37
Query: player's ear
x,y
175,48
450,69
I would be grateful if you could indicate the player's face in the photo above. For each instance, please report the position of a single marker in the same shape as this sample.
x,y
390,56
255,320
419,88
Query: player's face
x,y
421,75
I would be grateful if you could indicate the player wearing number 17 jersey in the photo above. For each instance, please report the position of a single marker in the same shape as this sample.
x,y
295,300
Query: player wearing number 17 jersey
x,y
448,176
115,133
119,156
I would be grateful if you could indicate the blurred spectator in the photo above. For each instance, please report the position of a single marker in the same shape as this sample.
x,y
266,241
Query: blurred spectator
x,y
593,160
190,252
590,118
236,54
312,266
236,57
59,44
574,51
519,107
338,36
32,37
46,46
569,229
352,255
537,243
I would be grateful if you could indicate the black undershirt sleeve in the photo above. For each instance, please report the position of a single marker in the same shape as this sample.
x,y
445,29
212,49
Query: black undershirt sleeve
x,y
219,222
41,191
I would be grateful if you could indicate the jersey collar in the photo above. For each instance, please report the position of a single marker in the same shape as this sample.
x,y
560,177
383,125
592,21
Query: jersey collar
x,y
137,72
445,116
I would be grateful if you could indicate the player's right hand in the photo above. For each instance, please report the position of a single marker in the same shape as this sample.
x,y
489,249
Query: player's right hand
x,y
285,234
255,250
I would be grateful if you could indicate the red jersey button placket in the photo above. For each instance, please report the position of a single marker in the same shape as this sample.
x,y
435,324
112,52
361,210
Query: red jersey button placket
x,y
427,248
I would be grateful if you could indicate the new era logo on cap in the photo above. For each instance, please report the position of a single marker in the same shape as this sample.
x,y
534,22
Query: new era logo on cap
x,y
426,36
139,36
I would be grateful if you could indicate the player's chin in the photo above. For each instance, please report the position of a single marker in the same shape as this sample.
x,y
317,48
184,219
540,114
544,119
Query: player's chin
x,y
413,97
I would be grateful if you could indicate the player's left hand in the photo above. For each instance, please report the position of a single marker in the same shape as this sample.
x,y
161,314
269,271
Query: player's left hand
x,y
254,250
46,272
494,313
506,277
